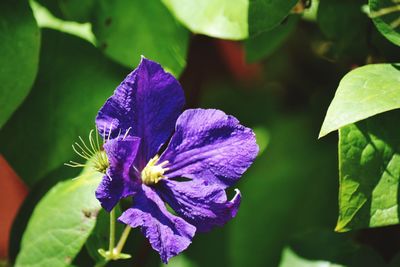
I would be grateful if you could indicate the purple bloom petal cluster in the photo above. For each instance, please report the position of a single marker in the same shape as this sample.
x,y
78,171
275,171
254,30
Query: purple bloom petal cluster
x,y
208,151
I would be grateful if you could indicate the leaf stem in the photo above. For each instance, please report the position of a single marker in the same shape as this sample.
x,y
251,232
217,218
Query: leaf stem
x,y
122,240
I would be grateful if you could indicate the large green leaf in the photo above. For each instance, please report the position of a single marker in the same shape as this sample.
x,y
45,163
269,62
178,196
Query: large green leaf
x,y
19,53
386,16
74,81
226,19
362,93
267,14
61,223
126,29
266,43
369,163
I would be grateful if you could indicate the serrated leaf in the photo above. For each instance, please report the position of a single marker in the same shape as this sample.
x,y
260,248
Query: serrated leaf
x,y
19,54
386,17
73,82
264,15
369,165
225,19
61,223
267,42
362,93
127,29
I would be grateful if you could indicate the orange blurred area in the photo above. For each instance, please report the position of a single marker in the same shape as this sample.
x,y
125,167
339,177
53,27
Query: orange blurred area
x,y
13,193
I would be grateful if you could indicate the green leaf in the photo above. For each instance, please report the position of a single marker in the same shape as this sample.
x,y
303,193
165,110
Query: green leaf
x,y
265,15
180,261
290,259
225,19
386,17
127,29
267,42
46,19
73,82
334,18
369,165
322,247
61,223
362,93
77,10
19,52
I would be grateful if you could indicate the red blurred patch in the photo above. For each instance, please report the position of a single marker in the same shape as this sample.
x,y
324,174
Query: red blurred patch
x,y
234,57
13,193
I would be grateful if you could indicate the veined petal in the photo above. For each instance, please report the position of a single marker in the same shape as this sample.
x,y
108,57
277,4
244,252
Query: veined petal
x,y
211,146
118,182
147,102
168,234
199,203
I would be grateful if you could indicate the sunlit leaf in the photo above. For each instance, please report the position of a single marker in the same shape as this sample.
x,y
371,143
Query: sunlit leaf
x,y
369,163
362,93
19,54
226,19
61,223
127,29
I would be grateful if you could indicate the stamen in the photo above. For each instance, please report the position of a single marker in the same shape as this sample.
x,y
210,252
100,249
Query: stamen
x,y
109,132
126,133
92,153
153,173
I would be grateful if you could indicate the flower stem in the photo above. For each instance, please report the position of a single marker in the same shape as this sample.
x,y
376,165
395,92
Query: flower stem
x,y
112,232
122,240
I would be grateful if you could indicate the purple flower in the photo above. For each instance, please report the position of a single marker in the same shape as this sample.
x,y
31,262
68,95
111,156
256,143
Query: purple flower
x,y
208,152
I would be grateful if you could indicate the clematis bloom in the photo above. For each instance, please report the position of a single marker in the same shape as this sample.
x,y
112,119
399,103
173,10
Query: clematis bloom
x,y
208,148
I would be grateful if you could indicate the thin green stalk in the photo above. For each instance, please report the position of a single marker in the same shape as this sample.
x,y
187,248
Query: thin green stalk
x,y
122,240
112,232
385,11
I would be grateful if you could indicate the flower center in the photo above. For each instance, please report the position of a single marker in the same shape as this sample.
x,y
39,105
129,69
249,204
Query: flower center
x,y
153,172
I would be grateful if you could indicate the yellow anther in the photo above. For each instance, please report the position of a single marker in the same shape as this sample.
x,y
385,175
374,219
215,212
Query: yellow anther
x,y
153,173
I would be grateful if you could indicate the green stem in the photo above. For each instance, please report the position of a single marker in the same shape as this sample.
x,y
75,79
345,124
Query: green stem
x,y
385,11
112,232
122,240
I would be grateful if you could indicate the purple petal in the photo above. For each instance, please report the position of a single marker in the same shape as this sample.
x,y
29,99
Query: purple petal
x,y
168,234
211,146
201,204
149,101
119,181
